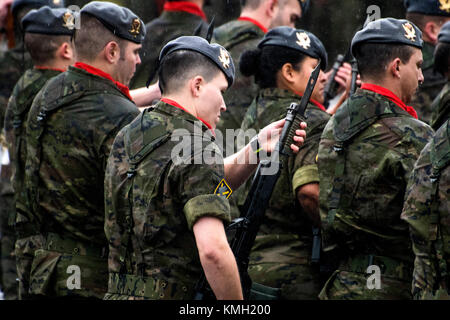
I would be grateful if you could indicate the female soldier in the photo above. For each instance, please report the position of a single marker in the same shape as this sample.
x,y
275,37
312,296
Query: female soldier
x,y
282,65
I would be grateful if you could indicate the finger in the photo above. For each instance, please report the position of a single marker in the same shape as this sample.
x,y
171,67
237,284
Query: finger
x,y
303,125
300,133
295,148
299,140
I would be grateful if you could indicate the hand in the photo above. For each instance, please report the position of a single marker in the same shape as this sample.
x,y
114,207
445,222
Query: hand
x,y
344,78
269,136
4,7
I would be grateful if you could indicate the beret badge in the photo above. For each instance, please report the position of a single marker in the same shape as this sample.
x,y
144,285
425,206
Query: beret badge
x,y
303,40
445,5
224,58
135,27
69,20
410,31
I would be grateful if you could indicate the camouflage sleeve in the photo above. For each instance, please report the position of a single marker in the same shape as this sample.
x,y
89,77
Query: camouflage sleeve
x,y
197,185
417,214
305,165
8,124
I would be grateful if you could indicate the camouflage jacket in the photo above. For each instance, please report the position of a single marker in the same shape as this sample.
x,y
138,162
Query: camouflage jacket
x,y
15,122
441,108
285,224
427,211
165,197
168,26
13,64
366,154
432,85
71,126
238,36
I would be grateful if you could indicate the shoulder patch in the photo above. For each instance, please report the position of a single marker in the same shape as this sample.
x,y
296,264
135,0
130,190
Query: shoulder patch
x,y
223,189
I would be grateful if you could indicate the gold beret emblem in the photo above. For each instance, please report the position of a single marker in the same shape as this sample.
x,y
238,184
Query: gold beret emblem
x,y
135,27
445,5
224,58
303,40
410,31
69,20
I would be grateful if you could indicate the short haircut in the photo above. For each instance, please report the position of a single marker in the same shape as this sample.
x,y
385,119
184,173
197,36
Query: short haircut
x,y
182,65
252,4
374,58
420,20
442,58
265,63
42,47
92,37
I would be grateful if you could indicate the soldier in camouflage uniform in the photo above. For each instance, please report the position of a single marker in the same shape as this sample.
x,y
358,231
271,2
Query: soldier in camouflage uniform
x,y
48,39
179,18
165,211
237,36
70,129
12,65
426,210
429,16
366,154
441,105
427,204
281,256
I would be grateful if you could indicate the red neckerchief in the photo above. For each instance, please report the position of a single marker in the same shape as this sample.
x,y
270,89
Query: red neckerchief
x,y
391,96
185,6
256,23
316,103
49,68
177,105
123,88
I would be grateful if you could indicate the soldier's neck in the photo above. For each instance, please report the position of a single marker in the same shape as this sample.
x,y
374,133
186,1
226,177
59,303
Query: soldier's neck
x,y
258,15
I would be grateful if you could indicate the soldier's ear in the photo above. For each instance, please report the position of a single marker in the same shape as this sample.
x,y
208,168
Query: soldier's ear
x,y
431,31
111,52
195,85
287,73
394,68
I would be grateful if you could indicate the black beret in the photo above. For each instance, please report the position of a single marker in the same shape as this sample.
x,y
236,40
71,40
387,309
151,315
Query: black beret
x,y
121,21
444,33
46,20
296,39
36,4
215,52
305,5
428,7
389,30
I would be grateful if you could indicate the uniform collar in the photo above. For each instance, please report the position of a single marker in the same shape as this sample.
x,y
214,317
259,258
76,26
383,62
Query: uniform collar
x,y
391,96
255,22
185,6
97,72
178,106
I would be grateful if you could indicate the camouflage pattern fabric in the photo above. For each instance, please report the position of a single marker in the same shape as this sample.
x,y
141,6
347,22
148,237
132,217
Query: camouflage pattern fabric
x,y
70,129
237,36
281,256
15,120
168,26
153,255
427,211
429,90
441,108
12,64
366,154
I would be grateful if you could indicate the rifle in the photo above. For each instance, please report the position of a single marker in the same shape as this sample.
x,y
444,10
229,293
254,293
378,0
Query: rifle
x,y
247,225
331,86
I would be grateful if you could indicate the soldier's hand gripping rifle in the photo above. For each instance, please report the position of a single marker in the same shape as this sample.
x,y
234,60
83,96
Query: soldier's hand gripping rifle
x,y
247,225
331,85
